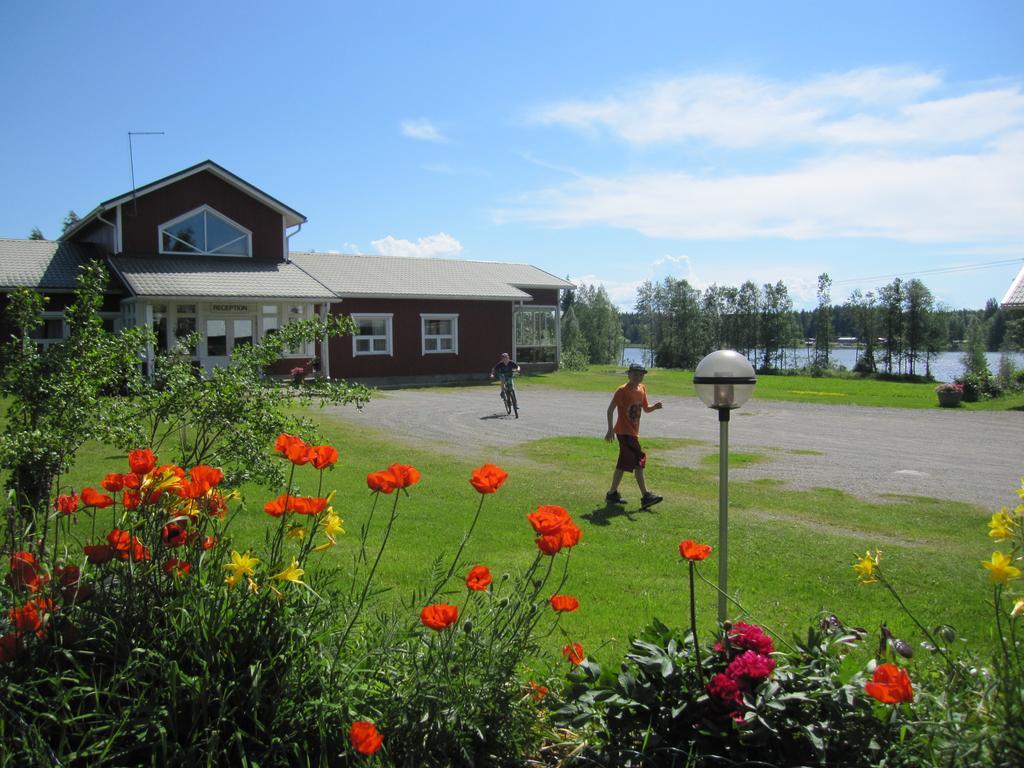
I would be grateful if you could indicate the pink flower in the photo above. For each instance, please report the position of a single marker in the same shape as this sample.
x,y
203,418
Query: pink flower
x,y
724,690
749,668
748,637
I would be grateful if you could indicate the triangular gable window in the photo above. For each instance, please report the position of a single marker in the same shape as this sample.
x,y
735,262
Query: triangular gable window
x,y
204,232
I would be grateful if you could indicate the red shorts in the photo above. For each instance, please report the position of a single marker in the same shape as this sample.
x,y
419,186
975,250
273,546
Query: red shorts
x,y
631,455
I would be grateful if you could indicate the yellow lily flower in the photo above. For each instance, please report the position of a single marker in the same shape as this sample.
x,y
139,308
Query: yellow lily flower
x,y
241,565
296,532
999,568
331,525
292,573
231,580
1001,526
865,567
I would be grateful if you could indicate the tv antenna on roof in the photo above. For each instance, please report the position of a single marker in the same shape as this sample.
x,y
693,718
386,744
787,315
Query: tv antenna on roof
x,y
131,162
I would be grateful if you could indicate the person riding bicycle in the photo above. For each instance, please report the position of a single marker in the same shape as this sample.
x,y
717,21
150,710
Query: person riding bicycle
x,y
505,369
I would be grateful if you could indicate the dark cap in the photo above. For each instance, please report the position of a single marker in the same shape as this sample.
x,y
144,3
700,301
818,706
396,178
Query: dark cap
x,y
636,368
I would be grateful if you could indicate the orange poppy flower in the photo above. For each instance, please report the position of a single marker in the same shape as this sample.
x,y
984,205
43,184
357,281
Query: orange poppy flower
x,y
404,475
130,480
488,478
201,473
277,507
564,603
293,448
126,546
439,616
67,505
130,498
890,684
571,534
550,545
549,519
209,542
537,692
174,535
323,456
192,489
141,461
478,578
25,572
365,737
93,498
381,482
691,550
114,481
307,505
574,653
175,567
97,554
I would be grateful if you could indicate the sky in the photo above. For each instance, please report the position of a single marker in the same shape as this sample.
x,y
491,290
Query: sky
x,y
608,142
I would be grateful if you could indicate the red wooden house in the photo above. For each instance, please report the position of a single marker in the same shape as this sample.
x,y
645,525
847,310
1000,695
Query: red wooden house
x,y
204,250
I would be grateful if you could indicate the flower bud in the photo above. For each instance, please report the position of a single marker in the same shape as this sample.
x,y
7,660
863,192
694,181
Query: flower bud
x,y
467,626
947,633
902,648
503,603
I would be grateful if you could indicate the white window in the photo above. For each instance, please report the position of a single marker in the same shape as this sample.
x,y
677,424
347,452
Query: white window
x,y
52,331
440,334
373,334
204,232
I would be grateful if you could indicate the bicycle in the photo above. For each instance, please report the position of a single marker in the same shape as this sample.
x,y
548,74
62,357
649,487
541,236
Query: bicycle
x,y
508,395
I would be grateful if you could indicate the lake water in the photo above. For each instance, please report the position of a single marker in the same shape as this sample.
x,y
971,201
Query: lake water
x,y
945,366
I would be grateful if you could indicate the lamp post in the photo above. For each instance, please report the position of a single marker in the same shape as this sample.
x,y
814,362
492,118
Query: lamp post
x,y
724,380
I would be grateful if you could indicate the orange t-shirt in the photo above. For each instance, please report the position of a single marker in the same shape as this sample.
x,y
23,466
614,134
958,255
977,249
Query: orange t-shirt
x,y
630,402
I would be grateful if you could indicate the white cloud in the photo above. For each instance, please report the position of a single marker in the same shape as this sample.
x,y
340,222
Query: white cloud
x,y
877,106
423,130
441,244
961,197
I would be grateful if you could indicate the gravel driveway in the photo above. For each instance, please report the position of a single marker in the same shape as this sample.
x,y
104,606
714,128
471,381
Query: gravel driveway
x,y
975,457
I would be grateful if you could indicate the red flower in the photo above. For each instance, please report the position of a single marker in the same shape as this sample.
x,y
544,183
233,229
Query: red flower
x,y
126,546
439,616
293,448
404,475
488,478
548,520
749,668
31,616
204,474
365,737
131,499
276,507
129,480
209,542
72,590
574,653
67,505
215,505
748,637
93,498
25,572
175,567
478,578
381,482
725,690
537,691
323,456
693,551
890,684
174,535
564,603
10,647
113,482
174,469
307,505
571,534
141,461
97,554
549,545
192,489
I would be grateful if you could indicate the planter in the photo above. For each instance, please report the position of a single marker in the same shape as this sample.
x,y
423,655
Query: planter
x,y
950,399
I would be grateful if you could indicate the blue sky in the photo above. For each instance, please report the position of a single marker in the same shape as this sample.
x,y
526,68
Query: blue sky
x,y
609,142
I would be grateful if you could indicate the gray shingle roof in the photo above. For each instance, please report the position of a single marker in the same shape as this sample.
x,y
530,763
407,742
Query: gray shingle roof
x,y
404,277
216,277
42,264
1014,298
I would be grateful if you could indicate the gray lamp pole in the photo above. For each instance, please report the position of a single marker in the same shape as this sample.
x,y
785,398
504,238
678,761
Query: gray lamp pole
x,y
724,380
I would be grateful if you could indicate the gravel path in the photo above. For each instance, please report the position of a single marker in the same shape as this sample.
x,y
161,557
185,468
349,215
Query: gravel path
x,y
975,457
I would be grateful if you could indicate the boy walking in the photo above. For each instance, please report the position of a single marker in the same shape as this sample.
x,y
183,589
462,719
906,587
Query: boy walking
x,y
630,401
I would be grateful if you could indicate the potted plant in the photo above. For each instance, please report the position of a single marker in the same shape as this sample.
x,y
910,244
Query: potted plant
x,y
950,394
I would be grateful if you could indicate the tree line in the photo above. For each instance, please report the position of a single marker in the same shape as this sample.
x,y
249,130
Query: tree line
x,y
898,328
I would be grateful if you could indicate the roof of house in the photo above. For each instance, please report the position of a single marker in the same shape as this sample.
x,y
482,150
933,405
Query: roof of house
x,y
43,264
291,216
351,276
215,277
1014,298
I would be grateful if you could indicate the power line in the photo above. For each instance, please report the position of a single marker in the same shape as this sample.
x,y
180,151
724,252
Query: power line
x,y
936,271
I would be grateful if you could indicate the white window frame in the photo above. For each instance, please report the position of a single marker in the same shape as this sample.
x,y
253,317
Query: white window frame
x,y
247,235
454,335
388,317
46,341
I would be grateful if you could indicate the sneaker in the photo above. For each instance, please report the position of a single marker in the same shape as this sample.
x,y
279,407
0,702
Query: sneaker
x,y
614,498
649,500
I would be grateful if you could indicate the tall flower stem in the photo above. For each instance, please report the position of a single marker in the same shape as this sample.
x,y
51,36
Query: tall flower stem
x,y
458,554
369,578
693,627
920,626
739,605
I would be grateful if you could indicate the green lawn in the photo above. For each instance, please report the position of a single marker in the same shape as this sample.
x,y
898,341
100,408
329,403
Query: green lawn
x,y
791,552
803,389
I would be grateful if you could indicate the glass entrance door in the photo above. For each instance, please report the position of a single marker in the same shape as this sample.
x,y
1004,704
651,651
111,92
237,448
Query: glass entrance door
x,y
222,335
